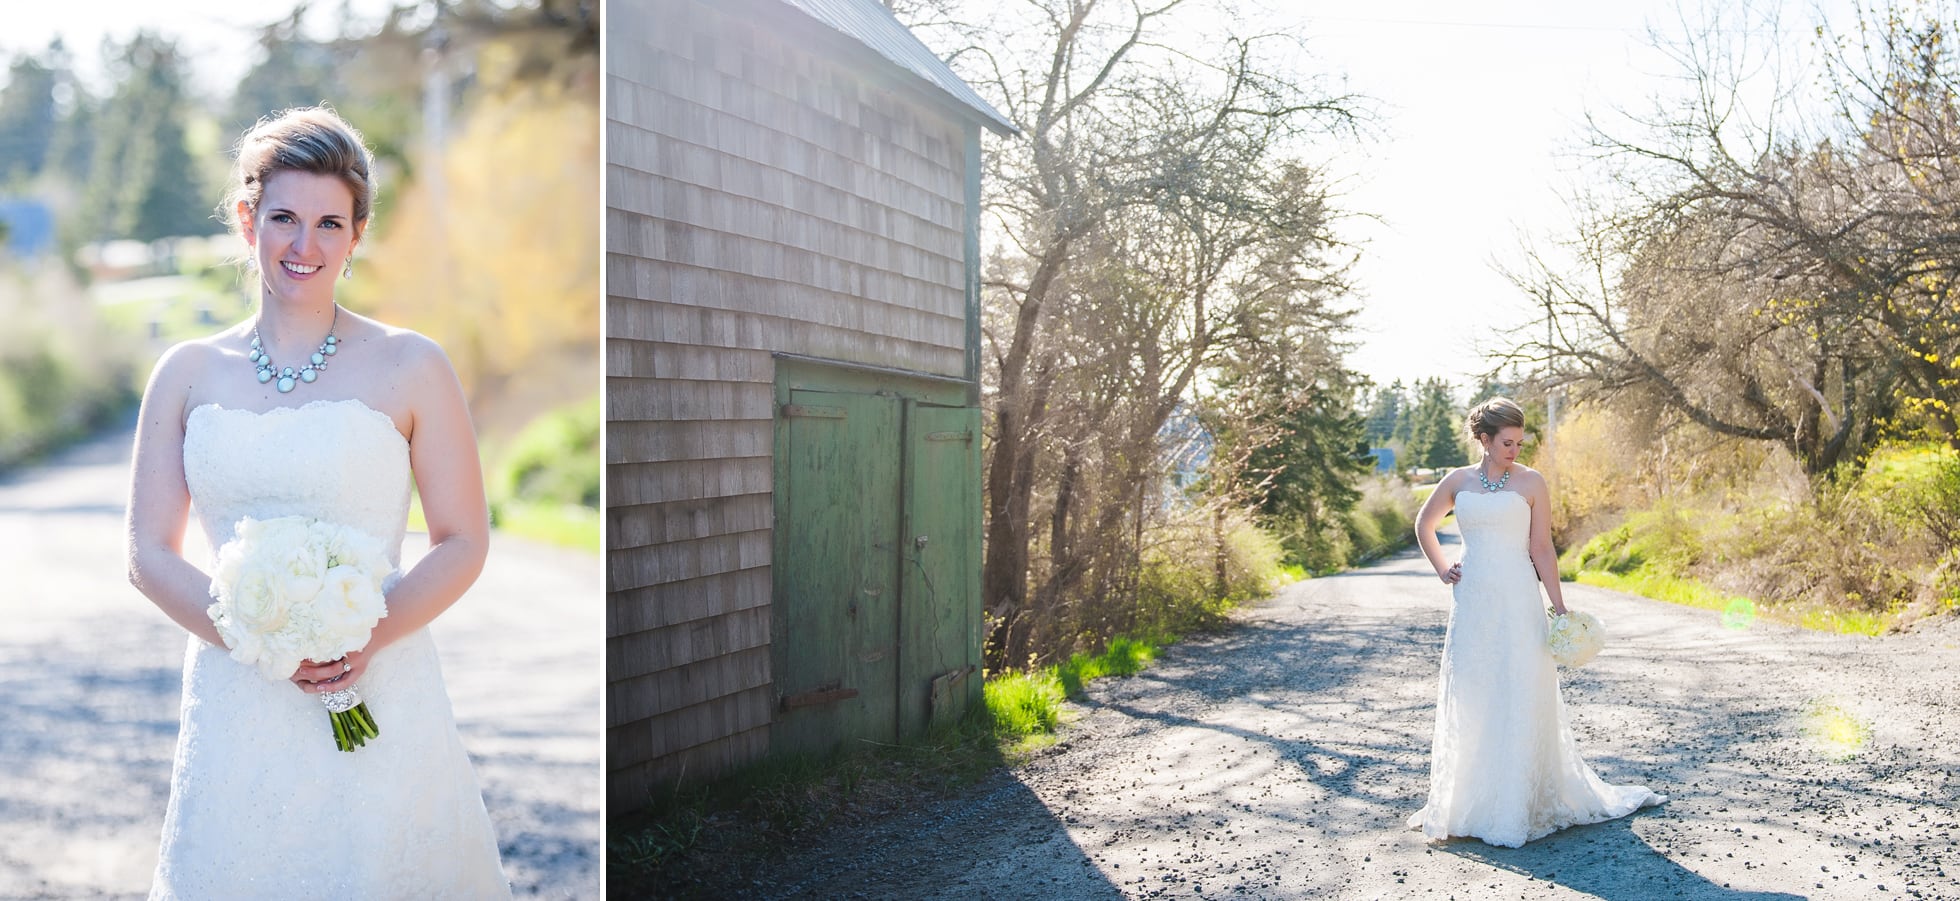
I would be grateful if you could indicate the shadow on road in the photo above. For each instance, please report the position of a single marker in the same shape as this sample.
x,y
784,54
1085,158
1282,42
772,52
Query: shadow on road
x,y
1638,871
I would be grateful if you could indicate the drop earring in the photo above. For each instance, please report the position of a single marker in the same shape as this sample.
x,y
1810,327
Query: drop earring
x,y
347,269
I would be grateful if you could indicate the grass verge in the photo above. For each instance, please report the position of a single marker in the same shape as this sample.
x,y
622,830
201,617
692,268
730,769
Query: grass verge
x,y
1737,612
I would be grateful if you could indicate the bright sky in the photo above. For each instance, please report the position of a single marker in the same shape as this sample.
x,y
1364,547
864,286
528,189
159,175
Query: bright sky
x,y
218,37
1483,107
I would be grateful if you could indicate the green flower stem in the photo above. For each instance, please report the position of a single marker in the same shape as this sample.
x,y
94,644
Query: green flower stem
x,y
353,727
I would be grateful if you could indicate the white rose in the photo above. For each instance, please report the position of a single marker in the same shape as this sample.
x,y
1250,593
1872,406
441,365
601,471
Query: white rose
x,y
349,604
258,600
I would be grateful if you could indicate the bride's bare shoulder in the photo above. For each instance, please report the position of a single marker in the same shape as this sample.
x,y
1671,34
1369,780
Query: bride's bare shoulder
x,y
189,362
409,351
1454,480
1529,478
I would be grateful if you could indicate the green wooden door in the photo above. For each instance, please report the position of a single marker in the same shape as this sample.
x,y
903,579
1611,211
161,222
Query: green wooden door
x,y
836,648
939,615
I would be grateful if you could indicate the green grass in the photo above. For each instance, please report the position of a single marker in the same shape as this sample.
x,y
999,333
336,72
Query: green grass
x,y
1738,611
564,525
1027,707
1125,656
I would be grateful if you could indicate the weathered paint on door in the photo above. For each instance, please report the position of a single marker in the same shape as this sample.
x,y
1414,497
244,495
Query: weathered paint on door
x,y
836,652
939,612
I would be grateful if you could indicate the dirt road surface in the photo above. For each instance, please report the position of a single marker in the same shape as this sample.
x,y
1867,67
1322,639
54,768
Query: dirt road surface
x,y
1281,758
89,684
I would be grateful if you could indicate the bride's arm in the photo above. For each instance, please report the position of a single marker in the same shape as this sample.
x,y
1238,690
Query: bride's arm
x,y
442,454
1439,504
160,501
1544,556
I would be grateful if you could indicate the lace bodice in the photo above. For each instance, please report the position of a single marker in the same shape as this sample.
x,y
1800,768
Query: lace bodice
x,y
1495,525
338,460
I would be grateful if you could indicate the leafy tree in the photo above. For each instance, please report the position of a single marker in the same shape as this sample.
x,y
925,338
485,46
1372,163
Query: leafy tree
x,y
1777,276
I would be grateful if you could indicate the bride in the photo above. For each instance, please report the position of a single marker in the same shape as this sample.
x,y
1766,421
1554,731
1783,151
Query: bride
x,y
1503,766
310,410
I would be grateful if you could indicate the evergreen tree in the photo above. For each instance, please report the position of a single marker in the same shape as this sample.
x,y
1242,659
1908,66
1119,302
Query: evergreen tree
x,y
1305,450
71,145
294,71
27,118
1433,425
142,183
1385,414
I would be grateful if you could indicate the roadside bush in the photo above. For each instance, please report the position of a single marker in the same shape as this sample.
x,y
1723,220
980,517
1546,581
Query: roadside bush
x,y
545,483
1194,569
1382,520
555,459
1853,554
47,398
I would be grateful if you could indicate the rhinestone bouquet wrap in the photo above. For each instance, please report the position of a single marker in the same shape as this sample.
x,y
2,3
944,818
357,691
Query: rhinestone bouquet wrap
x,y
294,589
1574,637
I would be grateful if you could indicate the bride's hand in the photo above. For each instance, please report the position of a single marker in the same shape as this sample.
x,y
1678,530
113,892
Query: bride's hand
x,y
332,675
1452,575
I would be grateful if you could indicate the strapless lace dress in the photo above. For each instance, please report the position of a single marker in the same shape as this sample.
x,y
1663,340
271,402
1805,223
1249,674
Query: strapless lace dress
x,y
1503,766
262,805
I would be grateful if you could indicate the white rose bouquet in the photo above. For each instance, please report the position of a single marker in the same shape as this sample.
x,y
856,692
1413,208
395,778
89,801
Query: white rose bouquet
x,y
293,589
1574,637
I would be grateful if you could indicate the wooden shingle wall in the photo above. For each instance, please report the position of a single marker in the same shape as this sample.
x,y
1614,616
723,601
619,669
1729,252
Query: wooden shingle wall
x,y
771,188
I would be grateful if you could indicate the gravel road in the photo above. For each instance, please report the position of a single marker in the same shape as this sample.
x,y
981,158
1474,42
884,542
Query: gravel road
x,y
89,684
1280,758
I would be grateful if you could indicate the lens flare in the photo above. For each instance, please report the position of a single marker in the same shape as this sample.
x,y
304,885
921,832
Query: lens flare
x,y
1837,733
1739,614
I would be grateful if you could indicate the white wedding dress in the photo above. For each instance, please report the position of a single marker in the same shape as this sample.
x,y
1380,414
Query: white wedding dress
x,y
1503,766
262,805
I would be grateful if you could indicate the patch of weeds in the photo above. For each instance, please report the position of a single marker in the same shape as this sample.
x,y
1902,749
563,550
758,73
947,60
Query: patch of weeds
x,y
1125,656
1025,704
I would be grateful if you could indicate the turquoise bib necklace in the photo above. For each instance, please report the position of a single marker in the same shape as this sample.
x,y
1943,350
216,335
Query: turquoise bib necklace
x,y
1488,485
288,378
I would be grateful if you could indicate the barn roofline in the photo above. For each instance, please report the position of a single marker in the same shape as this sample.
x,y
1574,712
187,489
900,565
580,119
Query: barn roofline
x,y
870,24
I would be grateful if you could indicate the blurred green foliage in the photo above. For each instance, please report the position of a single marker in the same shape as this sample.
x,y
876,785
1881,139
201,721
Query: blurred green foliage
x,y
545,483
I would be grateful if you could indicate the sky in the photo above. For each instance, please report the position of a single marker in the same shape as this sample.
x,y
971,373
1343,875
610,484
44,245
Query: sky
x,y
1482,113
218,37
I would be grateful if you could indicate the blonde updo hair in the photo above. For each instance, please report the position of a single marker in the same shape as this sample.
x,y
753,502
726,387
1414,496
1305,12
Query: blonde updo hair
x,y
311,139
1494,415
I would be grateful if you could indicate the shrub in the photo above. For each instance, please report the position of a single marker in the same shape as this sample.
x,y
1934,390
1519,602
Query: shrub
x,y
555,459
